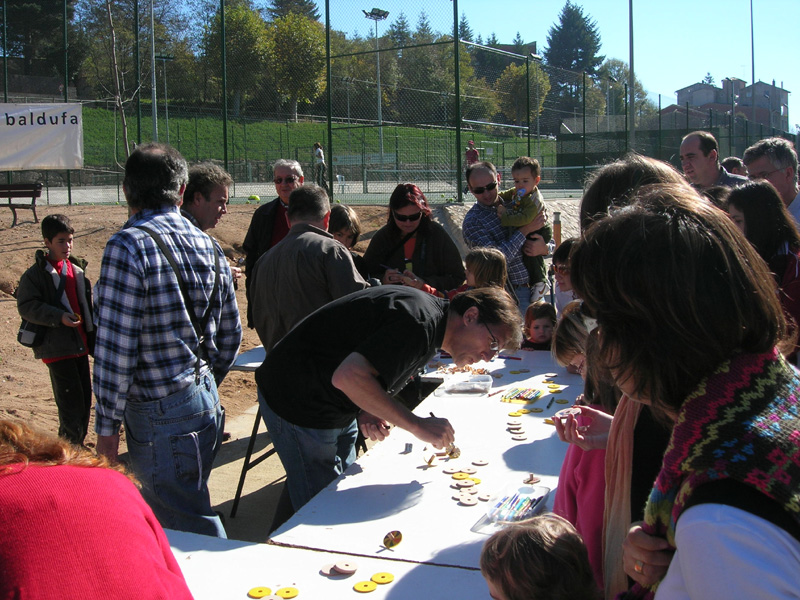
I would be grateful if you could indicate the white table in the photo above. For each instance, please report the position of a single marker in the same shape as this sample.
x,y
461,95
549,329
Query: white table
x,y
217,569
388,489
250,360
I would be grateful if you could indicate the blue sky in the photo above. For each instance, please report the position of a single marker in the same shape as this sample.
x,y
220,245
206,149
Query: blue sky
x,y
675,43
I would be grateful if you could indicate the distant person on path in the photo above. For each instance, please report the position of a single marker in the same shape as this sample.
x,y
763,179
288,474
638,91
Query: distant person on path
x,y
336,371
206,199
55,293
700,162
269,224
482,228
471,156
775,159
304,272
320,168
152,369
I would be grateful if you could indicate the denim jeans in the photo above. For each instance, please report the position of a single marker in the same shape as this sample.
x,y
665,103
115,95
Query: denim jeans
x,y
172,443
312,458
528,295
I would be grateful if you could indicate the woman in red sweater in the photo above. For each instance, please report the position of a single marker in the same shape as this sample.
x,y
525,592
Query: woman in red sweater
x,y
73,527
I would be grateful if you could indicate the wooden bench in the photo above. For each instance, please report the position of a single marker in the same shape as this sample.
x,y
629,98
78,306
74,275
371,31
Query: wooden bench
x,y
21,190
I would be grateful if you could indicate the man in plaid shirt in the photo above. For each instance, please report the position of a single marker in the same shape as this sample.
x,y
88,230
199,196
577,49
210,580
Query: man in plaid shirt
x,y
482,229
151,371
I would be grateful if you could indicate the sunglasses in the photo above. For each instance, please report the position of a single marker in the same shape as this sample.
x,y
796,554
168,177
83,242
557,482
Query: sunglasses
x,y
561,269
289,179
404,218
479,190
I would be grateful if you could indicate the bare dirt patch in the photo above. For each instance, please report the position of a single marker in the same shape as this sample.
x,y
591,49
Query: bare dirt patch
x,y
25,390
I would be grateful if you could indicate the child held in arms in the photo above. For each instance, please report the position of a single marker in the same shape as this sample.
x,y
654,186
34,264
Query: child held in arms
x,y
519,206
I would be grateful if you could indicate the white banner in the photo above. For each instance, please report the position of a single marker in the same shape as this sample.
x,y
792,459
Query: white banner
x,y
41,136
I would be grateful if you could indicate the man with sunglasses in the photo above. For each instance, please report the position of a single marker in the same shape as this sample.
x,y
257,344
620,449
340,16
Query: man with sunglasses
x,y
482,229
270,224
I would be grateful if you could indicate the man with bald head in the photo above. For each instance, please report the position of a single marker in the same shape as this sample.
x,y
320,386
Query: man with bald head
x,y
700,162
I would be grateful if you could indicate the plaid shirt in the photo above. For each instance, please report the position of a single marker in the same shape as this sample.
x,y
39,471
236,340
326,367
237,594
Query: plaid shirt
x,y
145,339
482,229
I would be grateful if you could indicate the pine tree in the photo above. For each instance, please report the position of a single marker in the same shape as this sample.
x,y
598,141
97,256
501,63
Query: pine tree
x,y
281,8
464,30
572,48
400,31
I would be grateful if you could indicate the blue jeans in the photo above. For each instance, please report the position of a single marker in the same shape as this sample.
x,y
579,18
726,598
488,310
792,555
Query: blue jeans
x,y
312,458
172,443
527,295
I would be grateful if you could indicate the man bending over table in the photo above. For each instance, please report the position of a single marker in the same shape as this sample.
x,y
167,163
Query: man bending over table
x,y
336,372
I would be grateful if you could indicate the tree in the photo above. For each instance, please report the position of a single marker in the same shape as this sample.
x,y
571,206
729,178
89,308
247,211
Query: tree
x,y
245,51
708,79
572,46
519,44
296,57
399,31
512,91
282,8
464,30
614,89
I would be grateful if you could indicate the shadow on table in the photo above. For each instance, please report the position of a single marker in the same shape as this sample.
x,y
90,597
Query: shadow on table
x,y
365,503
543,457
443,582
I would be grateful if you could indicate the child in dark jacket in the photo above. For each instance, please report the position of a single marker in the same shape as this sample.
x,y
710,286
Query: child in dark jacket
x,y
68,318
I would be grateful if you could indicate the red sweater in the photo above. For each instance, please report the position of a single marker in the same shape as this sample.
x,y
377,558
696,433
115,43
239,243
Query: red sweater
x,y
81,532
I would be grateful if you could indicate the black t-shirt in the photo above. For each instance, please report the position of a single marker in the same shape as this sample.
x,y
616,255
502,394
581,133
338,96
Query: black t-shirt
x,y
397,329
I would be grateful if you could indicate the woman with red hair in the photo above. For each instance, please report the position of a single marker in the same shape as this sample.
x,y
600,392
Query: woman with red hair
x,y
412,241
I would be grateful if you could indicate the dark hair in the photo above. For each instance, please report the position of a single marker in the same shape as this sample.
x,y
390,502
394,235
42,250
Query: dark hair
x,y
781,153
495,306
52,225
526,162
481,165
308,203
345,218
615,183
154,176
707,142
768,224
716,194
676,290
561,253
203,178
543,557
408,194
732,162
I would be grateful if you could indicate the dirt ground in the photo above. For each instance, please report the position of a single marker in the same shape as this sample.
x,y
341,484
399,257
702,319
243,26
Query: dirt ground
x,y
25,390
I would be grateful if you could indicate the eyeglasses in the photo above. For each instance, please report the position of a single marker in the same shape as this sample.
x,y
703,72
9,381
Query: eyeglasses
x,y
479,190
494,346
763,174
289,179
404,218
561,269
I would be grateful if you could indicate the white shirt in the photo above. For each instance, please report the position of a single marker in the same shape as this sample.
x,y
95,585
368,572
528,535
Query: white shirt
x,y
725,553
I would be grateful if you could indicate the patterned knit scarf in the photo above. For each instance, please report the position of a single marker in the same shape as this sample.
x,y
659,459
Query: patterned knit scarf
x,y
742,423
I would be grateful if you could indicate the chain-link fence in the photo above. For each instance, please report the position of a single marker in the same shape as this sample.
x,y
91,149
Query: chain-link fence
x,y
395,100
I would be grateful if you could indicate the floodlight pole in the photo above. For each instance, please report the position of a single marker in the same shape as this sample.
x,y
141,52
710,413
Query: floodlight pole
x,y
153,69
376,14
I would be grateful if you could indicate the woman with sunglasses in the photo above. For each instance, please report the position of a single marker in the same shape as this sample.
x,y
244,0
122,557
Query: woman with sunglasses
x,y
412,241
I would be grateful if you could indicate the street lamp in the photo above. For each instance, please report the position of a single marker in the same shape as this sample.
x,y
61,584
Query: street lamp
x,y
376,14
164,58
